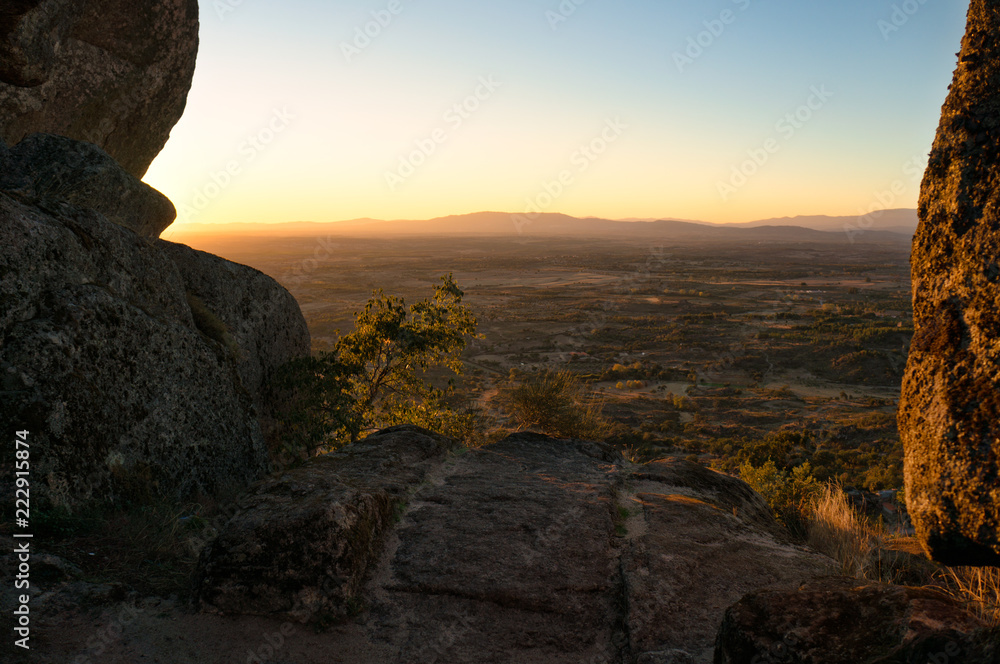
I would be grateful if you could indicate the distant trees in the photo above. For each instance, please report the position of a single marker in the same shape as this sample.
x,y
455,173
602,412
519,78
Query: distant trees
x,y
377,375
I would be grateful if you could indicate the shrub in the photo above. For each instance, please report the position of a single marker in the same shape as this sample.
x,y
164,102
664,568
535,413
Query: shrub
x,y
550,402
788,493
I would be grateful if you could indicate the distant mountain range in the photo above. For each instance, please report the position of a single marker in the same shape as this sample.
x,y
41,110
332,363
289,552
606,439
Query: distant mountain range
x,y
886,226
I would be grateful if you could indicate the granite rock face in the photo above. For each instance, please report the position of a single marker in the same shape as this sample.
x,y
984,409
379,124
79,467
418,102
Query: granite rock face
x,y
263,319
949,416
47,170
102,362
120,71
529,550
30,34
304,539
846,621
139,367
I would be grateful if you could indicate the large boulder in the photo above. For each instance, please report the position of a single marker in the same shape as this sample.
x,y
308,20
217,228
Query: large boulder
x,y
115,73
949,416
138,366
263,320
101,360
845,621
30,34
47,169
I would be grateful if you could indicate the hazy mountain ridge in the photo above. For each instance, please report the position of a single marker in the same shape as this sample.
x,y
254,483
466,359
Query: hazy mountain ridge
x,y
883,226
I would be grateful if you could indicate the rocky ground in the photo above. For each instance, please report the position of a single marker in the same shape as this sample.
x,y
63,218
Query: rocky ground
x,y
530,550
411,548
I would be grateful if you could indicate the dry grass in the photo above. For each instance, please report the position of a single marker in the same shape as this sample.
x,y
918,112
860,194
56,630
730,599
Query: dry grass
x,y
864,551
551,402
835,529
978,588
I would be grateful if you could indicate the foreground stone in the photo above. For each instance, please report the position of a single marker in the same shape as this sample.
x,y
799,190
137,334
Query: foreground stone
x,y
115,73
508,555
949,416
845,621
47,170
303,540
703,542
529,550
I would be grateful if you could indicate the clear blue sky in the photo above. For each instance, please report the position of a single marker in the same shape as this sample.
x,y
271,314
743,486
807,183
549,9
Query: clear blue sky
x,y
374,133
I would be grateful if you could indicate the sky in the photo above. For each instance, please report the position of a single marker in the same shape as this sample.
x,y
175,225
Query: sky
x,y
718,110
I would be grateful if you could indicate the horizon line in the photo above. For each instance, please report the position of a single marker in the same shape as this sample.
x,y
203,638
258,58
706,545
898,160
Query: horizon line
x,y
180,224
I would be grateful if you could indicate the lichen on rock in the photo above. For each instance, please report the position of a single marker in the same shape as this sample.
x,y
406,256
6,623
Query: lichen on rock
x,y
949,416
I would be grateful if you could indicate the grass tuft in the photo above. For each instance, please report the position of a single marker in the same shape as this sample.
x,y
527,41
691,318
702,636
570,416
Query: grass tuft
x,y
209,324
550,402
866,551
834,528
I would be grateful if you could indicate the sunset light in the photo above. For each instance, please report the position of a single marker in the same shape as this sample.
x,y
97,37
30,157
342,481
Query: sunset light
x,y
731,110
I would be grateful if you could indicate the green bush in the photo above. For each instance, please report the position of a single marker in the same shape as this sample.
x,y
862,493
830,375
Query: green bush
x,y
788,493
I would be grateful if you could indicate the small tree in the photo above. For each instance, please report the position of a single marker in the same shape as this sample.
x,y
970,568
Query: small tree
x,y
392,348
376,376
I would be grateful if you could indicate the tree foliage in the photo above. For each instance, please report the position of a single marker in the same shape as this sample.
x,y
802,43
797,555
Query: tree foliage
x,y
377,375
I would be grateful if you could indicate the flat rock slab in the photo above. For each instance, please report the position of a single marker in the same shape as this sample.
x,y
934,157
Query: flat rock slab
x,y
533,550
302,541
698,542
508,556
